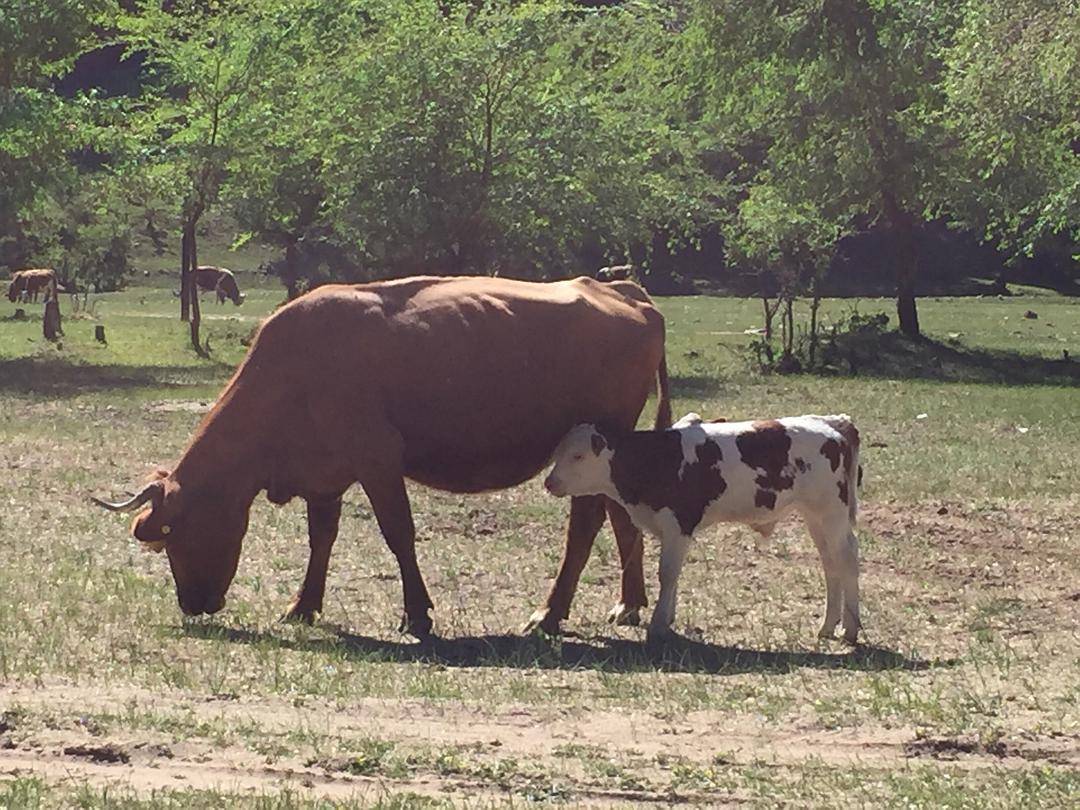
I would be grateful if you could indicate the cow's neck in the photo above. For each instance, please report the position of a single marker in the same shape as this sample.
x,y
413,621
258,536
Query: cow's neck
x,y
225,451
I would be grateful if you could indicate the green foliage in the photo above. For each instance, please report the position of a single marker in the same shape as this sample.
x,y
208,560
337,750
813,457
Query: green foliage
x,y
493,139
1013,91
39,129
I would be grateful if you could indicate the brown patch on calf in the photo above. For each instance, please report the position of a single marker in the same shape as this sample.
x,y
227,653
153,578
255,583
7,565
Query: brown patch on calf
x,y
645,471
831,451
765,498
801,465
766,447
842,486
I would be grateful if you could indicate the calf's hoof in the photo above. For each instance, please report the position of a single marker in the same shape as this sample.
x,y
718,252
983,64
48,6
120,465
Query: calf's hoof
x,y
299,612
851,635
623,616
541,619
827,632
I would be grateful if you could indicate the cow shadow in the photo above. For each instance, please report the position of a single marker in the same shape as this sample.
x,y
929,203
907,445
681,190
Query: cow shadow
x,y
612,655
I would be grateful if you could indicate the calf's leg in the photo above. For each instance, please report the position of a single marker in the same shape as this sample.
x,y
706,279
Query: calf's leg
x,y
390,502
323,519
631,549
672,556
829,535
586,518
849,576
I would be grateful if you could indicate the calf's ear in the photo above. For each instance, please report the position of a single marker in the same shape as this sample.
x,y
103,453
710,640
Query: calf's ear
x,y
598,443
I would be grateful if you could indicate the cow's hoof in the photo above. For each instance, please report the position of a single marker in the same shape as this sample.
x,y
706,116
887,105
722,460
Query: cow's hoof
x,y
420,626
658,637
623,616
541,620
851,636
299,612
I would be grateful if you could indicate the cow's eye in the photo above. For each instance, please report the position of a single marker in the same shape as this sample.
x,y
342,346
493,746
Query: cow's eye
x,y
578,457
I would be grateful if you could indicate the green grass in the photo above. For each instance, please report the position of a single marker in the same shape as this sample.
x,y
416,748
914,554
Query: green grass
x,y
970,536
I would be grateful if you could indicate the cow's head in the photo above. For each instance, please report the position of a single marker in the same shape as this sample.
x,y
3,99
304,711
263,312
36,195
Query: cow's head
x,y
200,529
582,464
13,290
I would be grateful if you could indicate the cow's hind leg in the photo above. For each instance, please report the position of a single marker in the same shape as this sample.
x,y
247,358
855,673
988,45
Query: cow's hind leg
x,y
673,551
631,548
323,519
830,535
586,518
390,502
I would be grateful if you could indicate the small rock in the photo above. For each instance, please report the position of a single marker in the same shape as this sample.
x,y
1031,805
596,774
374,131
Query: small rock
x,y
1031,315
943,510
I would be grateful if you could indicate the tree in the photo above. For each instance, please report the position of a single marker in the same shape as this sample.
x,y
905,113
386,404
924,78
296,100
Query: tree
x,y
834,103
460,138
206,60
39,130
1012,85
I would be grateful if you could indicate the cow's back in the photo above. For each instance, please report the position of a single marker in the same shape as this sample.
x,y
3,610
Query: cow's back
x,y
481,377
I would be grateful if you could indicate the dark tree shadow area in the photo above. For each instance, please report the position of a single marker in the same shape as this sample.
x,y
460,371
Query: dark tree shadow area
x,y
604,654
894,355
693,386
57,378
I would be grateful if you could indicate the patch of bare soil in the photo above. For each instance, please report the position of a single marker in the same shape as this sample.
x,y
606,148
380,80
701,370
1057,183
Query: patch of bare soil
x,y
62,744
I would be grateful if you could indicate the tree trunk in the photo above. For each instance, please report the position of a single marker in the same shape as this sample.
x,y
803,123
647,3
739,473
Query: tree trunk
x,y
50,324
191,252
186,279
907,263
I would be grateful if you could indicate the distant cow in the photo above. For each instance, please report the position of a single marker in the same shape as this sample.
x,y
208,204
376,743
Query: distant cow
x,y
26,284
220,281
675,482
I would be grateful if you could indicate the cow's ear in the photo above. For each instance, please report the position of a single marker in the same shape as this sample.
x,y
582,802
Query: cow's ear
x,y
598,443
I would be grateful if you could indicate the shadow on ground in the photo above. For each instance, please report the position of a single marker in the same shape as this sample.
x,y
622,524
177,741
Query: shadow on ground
x,y
895,356
605,654
56,378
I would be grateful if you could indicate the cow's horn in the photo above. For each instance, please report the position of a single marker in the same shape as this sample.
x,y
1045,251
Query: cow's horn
x,y
133,503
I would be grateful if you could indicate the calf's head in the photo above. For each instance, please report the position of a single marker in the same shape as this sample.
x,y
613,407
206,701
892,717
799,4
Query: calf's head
x,y
200,529
582,464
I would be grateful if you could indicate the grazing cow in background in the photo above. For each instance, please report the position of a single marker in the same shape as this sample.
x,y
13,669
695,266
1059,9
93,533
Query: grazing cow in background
x,y
461,384
26,284
220,281
676,482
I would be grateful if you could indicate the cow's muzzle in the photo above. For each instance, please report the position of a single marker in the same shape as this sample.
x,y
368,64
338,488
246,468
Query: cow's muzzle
x,y
199,606
554,486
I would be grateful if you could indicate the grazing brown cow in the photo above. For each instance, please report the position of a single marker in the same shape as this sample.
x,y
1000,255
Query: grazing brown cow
x,y
26,284
220,281
462,384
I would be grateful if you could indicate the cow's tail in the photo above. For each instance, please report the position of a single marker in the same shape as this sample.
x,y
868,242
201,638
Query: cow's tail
x,y
663,396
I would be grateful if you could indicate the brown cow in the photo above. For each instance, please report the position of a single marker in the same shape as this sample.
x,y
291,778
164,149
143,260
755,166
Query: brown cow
x,y
462,384
26,284
220,281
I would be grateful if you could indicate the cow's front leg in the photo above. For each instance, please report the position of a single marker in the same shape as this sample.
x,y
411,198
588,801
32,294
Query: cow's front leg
x,y
586,518
323,519
631,548
673,553
390,502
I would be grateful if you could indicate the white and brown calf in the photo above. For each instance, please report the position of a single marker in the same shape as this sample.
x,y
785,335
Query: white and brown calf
x,y
678,481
